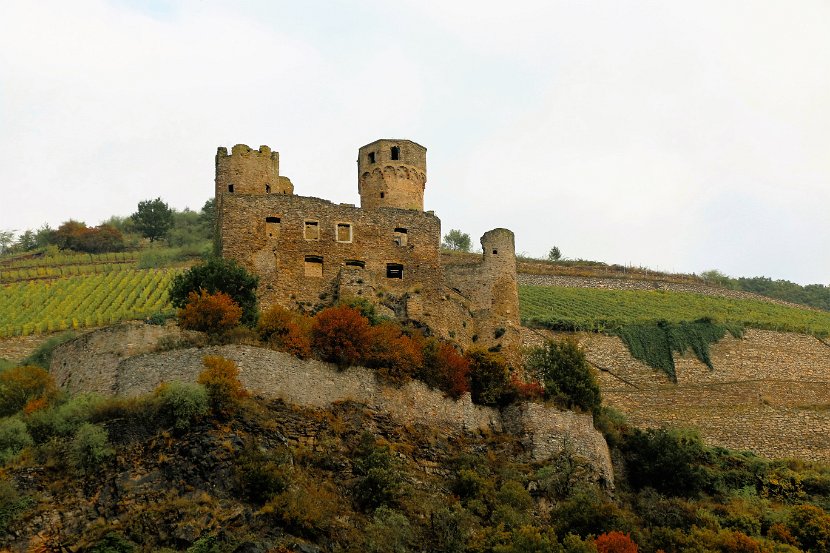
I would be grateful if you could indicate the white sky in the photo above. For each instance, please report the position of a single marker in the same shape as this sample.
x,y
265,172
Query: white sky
x,y
682,136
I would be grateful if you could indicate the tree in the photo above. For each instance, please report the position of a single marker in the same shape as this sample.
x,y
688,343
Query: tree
x,y
457,240
153,219
554,254
6,239
340,335
568,379
218,275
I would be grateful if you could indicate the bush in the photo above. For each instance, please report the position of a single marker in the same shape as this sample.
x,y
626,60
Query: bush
x,y
211,313
490,379
220,378
670,461
218,275
12,505
261,475
615,542
286,331
378,479
182,403
568,379
42,356
389,532
113,543
63,419
21,386
340,335
811,527
395,355
89,448
444,368
306,507
13,438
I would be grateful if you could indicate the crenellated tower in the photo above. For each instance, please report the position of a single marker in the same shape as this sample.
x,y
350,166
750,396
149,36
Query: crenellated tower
x,y
249,171
392,173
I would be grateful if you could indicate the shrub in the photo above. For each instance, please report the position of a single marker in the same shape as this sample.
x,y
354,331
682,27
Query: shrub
x,y
13,438
444,368
261,475
392,353
615,542
286,331
811,527
529,539
220,378
211,313
12,505
378,479
182,403
389,532
666,460
21,385
42,356
450,529
587,511
306,507
218,275
568,379
489,379
340,335
366,308
63,419
89,448
113,543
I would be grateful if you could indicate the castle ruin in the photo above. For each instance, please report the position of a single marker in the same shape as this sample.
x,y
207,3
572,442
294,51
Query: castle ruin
x,y
310,253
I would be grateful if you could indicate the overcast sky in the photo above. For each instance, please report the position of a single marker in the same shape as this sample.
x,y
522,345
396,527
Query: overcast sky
x,y
681,136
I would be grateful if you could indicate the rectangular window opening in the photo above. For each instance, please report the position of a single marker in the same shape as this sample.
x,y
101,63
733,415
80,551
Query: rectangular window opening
x,y
344,232
355,263
371,157
313,266
272,227
396,153
230,188
394,270
400,236
311,230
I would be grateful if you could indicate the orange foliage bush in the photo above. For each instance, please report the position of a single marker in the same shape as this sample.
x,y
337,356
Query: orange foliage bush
x,y
286,331
395,355
211,313
738,542
527,391
221,379
444,368
340,335
22,386
615,542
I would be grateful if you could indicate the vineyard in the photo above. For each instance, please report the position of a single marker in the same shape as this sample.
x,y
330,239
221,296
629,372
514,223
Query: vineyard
x,y
63,265
600,310
38,306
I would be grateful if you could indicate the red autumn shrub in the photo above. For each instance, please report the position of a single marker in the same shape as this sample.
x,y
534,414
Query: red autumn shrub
x,y
25,388
211,313
286,331
444,368
340,335
527,391
615,542
394,354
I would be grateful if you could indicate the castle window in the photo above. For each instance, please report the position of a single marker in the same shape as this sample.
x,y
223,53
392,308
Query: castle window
x,y
396,153
311,230
381,194
400,236
272,227
230,188
371,157
495,252
355,263
267,188
313,266
344,232
394,270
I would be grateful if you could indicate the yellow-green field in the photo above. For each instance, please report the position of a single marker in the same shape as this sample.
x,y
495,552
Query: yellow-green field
x,y
48,305
593,309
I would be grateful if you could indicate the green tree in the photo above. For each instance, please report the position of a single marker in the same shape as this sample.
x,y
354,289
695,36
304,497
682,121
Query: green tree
x,y
218,275
457,240
554,254
153,219
568,379
6,239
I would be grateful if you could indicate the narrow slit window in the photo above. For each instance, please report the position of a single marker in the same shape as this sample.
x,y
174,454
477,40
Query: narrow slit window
x,y
267,188
230,188
396,153
344,232
313,266
272,227
311,230
371,157
400,236
394,270
381,194
355,263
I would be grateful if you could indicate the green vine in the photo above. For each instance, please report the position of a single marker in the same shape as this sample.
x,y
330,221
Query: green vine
x,y
654,343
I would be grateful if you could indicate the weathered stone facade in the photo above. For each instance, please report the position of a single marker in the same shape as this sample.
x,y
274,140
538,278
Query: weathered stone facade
x,y
310,252
769,392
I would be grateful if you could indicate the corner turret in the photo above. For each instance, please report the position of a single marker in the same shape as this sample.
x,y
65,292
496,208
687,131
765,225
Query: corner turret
x,y
249,171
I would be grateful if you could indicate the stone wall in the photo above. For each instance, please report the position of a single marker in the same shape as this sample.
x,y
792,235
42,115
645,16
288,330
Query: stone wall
x,y
769,392
387,182
120,360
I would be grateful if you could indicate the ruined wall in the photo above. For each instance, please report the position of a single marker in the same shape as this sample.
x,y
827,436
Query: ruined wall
x,y
127,366
250,171
769,392
332,237
387,182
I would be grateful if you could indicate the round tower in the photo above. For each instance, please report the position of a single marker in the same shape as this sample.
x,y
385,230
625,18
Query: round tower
x,y
392,173
249,171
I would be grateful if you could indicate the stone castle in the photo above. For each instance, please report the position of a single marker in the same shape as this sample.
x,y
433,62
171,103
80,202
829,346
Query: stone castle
x,y
310,253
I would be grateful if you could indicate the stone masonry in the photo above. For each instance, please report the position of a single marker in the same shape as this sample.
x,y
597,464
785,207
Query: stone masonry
x,y
310,252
